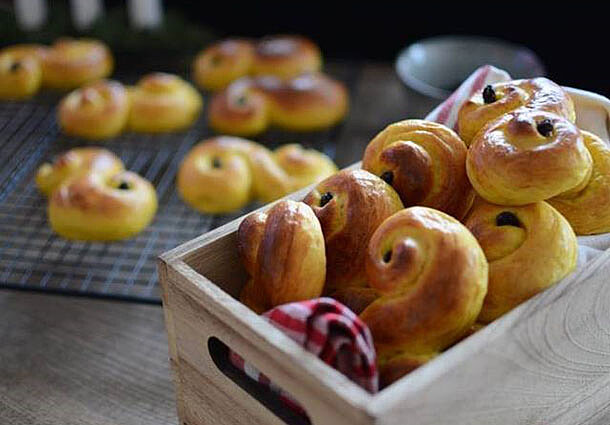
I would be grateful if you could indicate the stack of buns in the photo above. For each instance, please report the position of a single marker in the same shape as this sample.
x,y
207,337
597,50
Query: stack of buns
x,y
441,232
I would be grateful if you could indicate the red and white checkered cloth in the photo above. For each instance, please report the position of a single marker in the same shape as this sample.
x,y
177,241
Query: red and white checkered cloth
x,y
446,113
331,331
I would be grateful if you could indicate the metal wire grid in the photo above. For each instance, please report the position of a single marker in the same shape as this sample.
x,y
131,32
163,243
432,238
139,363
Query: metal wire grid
x,y
33,257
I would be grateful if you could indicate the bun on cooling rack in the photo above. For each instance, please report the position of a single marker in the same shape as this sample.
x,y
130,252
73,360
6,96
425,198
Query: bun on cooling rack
x,y
162,103
282,250
528,156
249,106
20,71
529,248
283,56
495,100
223,174
587,209
98,110
70,63
95,207
76,162
350,205
425,163
431,277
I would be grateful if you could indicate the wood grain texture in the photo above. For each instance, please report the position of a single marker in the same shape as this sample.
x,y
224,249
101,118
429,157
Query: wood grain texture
x,y
70,361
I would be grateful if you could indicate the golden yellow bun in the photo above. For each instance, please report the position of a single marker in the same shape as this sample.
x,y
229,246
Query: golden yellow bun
x,y
162,103
305,103
221,63
282,250
286,56
283,56
431,275
498,99
425,163
529,248
74,163
93,207
223,174
70,63
528,156
350,206
20,71
588,210
98,110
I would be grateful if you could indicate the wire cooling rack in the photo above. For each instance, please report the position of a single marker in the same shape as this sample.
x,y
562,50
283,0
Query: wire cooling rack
x,y
33,257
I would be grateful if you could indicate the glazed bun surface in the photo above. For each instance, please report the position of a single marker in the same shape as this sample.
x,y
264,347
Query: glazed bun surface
x,y
223,62
20,72
286,56
425,163
431,277
529,248
282,250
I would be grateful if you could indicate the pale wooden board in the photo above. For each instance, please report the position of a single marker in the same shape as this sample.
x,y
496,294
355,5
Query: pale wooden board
x,y
71,361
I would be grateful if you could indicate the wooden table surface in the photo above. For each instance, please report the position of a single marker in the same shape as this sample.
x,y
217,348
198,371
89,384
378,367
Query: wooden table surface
x,y
77,361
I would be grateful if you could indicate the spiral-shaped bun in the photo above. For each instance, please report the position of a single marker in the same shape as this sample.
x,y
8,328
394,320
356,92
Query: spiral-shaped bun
x,y
70,63
163,102
286,56
96,111
431,275
528,156
282,250
282,56
223,62
305,103
425,163
93,207
529,248
587,209
350,206
224,173
498,99
74,163
20,71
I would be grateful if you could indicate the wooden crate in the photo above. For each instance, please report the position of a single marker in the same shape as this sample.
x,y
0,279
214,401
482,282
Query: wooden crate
x,y
546,362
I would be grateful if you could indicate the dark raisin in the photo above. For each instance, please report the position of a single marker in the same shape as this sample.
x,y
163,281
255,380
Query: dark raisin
x,y
387,256
325,199
507,218
388,177
489,94
241,100
545,127
123,186
215,60
15,66
216,163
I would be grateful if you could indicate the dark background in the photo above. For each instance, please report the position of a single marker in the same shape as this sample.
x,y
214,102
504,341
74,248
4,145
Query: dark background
x,y
572,42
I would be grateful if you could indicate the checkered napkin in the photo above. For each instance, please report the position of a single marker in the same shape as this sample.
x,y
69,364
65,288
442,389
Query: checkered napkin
x,y
329,330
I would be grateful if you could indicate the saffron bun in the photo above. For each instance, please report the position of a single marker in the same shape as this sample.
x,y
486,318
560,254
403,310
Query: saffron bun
x,y
223,174
97,110
286,56
223,62
528,156
587,209
431,277
74,163
20,71
498,99
282,250
162,103
94,207
283,56
425,163
529,248
350,205
70,63
249,106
